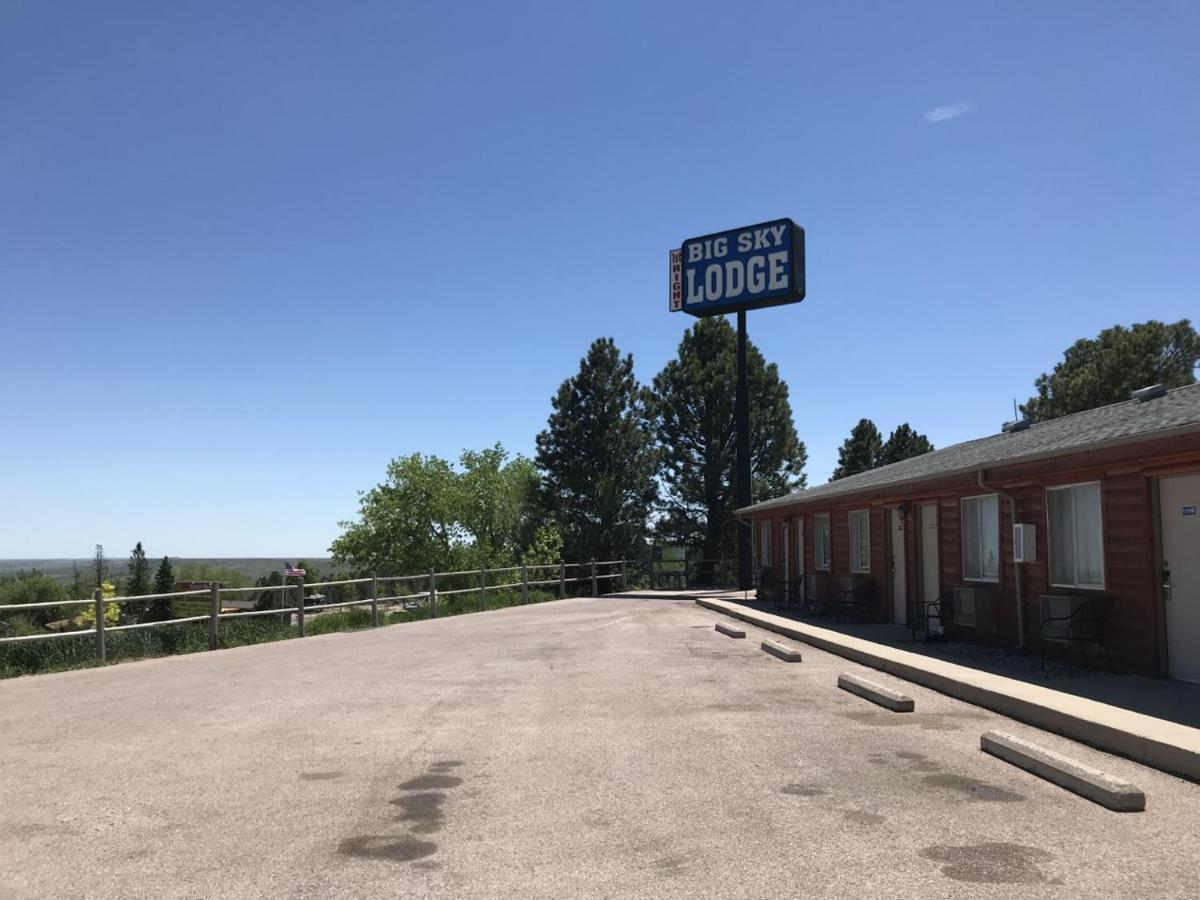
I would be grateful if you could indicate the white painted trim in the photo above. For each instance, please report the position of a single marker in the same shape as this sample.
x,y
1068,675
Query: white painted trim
x,y
1049,536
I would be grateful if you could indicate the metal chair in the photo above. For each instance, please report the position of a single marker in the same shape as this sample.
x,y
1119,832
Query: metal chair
x,y
855,598
1076,621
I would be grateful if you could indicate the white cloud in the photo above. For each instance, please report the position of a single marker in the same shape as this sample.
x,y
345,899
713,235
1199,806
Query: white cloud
x,y
949,111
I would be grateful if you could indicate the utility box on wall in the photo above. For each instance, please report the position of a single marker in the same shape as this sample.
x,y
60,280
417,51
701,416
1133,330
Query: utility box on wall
x,y
1024,543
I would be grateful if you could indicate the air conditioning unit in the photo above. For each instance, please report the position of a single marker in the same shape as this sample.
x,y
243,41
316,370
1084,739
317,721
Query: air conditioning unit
x,y
1024,543
973,608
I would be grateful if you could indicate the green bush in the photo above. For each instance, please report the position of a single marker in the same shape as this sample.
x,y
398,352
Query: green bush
x,y
344,620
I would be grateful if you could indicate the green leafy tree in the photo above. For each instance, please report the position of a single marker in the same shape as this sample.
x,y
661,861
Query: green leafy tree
x,y
159,609
692,409
597,458
112,611
495,495
545,550
31,587
1109,367
859,452
312,572
904,443
428,515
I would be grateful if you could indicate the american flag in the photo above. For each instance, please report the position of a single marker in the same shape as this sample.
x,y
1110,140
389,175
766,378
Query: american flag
x,y
290,571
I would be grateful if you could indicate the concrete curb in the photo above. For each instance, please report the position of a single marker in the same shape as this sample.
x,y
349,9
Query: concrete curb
x,y
730,631
1153,742
1085,781
783,651
876,693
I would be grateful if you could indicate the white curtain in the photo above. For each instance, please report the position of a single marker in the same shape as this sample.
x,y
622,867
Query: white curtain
x,y
1062,536
1089,550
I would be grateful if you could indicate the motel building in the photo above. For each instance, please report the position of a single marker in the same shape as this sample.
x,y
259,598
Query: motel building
x,y
1073,539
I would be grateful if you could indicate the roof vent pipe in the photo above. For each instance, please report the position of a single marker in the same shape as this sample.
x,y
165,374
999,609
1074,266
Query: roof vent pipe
x,y
1149,393
1010,427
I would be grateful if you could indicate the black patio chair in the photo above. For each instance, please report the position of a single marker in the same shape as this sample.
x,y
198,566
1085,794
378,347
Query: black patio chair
x,y
1077,622
855,598
922,612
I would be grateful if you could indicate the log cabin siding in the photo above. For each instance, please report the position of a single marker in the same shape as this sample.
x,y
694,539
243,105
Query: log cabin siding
x,y
1126,475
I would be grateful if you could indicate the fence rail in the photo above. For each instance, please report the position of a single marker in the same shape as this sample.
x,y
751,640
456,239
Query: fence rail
x,y
303,607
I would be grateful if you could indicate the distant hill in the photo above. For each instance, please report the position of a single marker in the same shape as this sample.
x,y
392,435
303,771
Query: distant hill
x,y
60,569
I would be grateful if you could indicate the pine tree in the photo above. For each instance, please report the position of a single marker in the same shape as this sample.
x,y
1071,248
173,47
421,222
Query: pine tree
x,y
696,435
904,443
859,452
137,582
1106,369
100,565
596,457
164,582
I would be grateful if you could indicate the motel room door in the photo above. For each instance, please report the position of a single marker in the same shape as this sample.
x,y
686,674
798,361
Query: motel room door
x,y
896,547
1179,507
927,538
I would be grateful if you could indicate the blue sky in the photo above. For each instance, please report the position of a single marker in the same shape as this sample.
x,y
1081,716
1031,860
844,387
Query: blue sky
x,y
250,252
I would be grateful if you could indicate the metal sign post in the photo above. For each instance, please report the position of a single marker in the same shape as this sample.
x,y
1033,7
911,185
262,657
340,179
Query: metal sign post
x,y
741,415
733,271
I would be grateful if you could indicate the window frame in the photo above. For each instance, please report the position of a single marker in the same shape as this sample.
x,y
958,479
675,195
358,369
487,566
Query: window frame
x,y
962,533
865,568
826,557
1075,535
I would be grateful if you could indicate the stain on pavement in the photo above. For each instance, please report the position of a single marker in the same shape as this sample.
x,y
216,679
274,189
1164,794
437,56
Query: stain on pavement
x,y
383,846
990,863
422,808
973,788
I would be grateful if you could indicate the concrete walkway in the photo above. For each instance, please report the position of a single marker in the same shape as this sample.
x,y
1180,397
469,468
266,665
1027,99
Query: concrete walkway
x,y
1161,698
1159,743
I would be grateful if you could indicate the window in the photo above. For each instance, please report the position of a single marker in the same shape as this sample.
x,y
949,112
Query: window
x,y
766,543
860,541
981,538
821,551
1076,536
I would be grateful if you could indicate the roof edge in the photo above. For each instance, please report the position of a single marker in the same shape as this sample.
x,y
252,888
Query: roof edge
x,y
794,499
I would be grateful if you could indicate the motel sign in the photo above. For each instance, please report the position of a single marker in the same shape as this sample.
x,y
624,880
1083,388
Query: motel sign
x,y
746,268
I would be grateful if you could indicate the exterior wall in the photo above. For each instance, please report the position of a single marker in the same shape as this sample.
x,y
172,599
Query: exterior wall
x,y
1131,561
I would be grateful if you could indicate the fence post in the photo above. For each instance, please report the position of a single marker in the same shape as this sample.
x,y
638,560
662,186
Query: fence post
x,y
482,589
562,580
374,600
432,594
524,584
214,610
99,597
300,606
622,574
595,589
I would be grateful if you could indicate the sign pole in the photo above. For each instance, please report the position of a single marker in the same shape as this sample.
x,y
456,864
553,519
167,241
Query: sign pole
x,y
741,414
744,268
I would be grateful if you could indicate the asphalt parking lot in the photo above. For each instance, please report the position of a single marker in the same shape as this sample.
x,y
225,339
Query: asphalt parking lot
x,y
607,747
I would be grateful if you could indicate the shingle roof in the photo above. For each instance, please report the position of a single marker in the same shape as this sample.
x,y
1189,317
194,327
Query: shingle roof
x,y
1121,422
